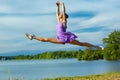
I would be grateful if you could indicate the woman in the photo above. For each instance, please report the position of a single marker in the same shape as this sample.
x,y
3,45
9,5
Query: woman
x,y
63,37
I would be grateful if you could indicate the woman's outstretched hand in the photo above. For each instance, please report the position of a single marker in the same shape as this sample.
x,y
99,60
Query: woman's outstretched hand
x,y
57,3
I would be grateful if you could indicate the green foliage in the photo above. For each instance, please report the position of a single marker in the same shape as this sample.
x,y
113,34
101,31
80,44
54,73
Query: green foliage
x,y
63,54
89,54
50,55
112,50
80,55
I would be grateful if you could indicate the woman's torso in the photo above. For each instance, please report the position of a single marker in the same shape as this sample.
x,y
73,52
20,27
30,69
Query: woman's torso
x,y
61,28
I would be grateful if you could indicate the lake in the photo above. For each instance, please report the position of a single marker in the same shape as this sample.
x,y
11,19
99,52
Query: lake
x,y
38,69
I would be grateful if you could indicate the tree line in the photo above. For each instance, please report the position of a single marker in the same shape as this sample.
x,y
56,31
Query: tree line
x,y
87,54
111,51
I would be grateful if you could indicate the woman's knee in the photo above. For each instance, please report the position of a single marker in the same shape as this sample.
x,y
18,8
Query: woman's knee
x,y
49,40
45,40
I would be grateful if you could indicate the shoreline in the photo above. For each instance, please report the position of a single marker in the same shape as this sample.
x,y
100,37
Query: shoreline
x,y
106,76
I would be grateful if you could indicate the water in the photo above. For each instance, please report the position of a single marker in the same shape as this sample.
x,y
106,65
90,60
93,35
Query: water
x,y
38,69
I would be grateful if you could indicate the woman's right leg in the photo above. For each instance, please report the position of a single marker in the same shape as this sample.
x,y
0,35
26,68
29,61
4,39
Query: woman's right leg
x,y
52,40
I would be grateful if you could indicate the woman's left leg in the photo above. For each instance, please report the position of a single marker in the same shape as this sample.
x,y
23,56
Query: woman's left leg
x,y
76,42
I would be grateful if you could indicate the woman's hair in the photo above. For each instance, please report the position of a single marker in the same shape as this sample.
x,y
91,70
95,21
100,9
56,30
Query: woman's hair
x,y
66,15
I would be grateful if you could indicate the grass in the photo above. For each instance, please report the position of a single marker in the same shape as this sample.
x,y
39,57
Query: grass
x,y
108,76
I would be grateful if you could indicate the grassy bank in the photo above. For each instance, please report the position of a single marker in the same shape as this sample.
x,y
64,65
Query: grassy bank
x,y
109,76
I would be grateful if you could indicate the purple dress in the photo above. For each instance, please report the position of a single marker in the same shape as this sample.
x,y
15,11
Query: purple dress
x,y
64,36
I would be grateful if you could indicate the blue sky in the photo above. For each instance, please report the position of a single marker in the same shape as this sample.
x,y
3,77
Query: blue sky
x,y
90,20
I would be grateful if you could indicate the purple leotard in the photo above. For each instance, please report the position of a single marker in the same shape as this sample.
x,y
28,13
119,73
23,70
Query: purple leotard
x,y
64,36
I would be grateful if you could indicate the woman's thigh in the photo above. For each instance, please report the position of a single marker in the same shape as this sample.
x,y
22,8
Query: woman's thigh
x,y
54,40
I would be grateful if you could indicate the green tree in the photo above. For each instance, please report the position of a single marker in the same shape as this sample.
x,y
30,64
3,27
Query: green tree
x,y
49,55
112,50
88,54
80,54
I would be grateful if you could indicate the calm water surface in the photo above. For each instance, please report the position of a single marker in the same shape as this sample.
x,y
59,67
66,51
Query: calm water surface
x,y
38,69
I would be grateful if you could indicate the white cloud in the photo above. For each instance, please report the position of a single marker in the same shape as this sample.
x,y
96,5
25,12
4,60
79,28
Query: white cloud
x,y
4,8
92,37
109,19
106,14
12,28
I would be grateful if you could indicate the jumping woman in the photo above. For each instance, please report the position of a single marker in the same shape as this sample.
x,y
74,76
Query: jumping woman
x,y
63,36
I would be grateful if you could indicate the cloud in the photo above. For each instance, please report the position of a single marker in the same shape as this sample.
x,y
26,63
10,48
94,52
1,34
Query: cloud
x,y
104,19
80,14
4,8
24,14
92,37
92,29
87,19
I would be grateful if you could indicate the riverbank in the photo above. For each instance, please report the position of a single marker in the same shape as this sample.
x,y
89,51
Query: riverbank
x,y
108,76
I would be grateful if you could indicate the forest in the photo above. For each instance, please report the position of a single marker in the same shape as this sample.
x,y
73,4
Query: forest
x,y
110,52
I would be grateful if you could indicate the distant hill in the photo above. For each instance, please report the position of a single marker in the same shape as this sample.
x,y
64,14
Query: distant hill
x,y
22,52
30,52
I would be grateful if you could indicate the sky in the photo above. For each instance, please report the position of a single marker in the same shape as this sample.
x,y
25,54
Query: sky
x,y
90,20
